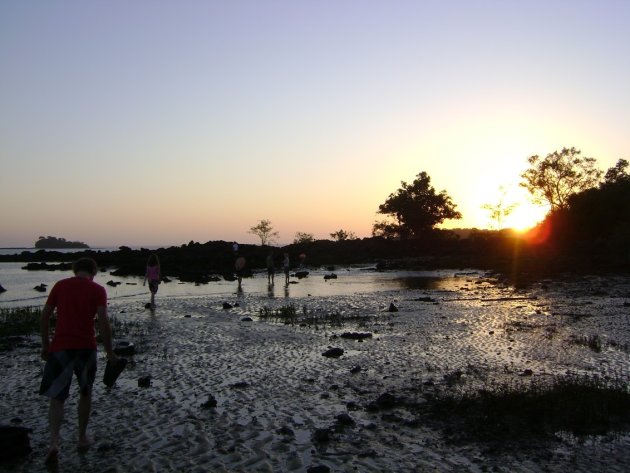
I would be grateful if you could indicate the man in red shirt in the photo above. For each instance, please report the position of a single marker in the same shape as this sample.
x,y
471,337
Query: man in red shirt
x,y
73,347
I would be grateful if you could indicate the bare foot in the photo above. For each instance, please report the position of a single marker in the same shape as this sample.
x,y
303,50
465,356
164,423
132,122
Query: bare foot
x,y
83,445
52,457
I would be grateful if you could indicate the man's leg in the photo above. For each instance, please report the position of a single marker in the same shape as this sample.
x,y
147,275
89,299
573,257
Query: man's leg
x,y
85,407
55,417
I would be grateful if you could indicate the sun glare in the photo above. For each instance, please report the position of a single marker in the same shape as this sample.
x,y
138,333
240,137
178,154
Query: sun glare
x,y
525,216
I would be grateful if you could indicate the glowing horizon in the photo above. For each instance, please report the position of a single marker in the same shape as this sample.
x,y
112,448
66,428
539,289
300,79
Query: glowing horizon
x,y
137,123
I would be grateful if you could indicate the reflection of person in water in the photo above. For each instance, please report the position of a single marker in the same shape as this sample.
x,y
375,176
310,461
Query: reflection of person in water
x,y
239,266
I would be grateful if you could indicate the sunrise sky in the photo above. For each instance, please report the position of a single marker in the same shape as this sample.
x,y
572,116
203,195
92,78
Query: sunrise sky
x,y
160,122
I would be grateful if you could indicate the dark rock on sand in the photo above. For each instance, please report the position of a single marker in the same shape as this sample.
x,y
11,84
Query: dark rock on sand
x,y
355,370
40,288
113,283
424,299
144,381
286,431
321,435
330,276
392,308
227,305
14,443
356,335
124,348
210,403
384,401
246,319
318,469
345,420
2,289
301,274
240,385
333,353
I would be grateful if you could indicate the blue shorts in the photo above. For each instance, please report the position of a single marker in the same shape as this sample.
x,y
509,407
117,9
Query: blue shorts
x,y
59,369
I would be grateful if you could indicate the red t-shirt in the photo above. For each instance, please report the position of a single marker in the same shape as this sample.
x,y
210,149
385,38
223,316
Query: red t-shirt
x,y
76,300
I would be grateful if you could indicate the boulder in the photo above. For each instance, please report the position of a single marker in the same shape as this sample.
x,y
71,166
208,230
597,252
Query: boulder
x,y
14,443
330,276
144,381
301,274
210,403
392,308
333,353
2,289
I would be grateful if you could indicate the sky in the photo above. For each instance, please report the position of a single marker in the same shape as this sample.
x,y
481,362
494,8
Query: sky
x,y
159,122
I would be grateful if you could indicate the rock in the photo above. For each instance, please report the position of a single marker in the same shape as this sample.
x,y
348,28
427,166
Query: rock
x,y
210,403
384,401
2,289
330,276
240,385
321,435
148,305
356,335
113,283
333,353
424,299
318,469
284,430
14,443
124,348
527,372
301,274
187,316
345,419
105,447
355,370
144,381
392,308
246,319
40,288
227,305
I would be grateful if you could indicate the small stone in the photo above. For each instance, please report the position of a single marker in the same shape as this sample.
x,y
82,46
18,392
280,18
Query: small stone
x,y
144,381
333,353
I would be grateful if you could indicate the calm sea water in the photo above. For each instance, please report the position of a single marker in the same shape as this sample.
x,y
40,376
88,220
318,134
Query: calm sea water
x,y
19,284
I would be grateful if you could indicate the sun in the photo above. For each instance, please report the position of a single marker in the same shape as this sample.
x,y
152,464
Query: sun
x,y
525,216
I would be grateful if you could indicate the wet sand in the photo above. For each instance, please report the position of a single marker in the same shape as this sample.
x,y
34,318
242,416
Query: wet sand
x,y
274,389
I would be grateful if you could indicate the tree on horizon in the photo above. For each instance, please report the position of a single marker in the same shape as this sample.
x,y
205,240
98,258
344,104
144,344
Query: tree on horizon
x,y
264,230
415,209
558,176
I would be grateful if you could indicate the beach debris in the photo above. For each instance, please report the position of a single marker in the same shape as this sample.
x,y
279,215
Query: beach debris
x,y
210,403
113,283
321,435
355,370
333,353
356,335
124,348
40,288
246,319
187,316
2,289
392,308
330,276
527,372
227,305
14,443
318,469
144,381
301,274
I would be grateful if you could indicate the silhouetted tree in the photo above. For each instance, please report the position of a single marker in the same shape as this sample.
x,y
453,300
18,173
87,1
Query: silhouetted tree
x,y
302,237
264,230
500,210
558,176
341,235
415,208
617,173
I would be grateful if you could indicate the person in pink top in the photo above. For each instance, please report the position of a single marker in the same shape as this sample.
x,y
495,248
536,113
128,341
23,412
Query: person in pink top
x,y
153,276
73,347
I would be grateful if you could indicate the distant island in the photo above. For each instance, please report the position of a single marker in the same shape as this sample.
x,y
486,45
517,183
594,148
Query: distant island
x,y
54,242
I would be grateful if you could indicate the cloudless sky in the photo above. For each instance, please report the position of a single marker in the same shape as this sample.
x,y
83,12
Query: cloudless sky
x,y
160,122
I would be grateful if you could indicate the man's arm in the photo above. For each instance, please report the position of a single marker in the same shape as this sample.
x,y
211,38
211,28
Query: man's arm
x,y
105,330
44,326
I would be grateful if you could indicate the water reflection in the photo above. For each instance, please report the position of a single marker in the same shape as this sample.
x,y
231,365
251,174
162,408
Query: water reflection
x,y
420,282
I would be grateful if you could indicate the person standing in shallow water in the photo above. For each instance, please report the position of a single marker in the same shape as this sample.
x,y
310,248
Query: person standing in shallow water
x,y
73,348
286,265
152,274
271,271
